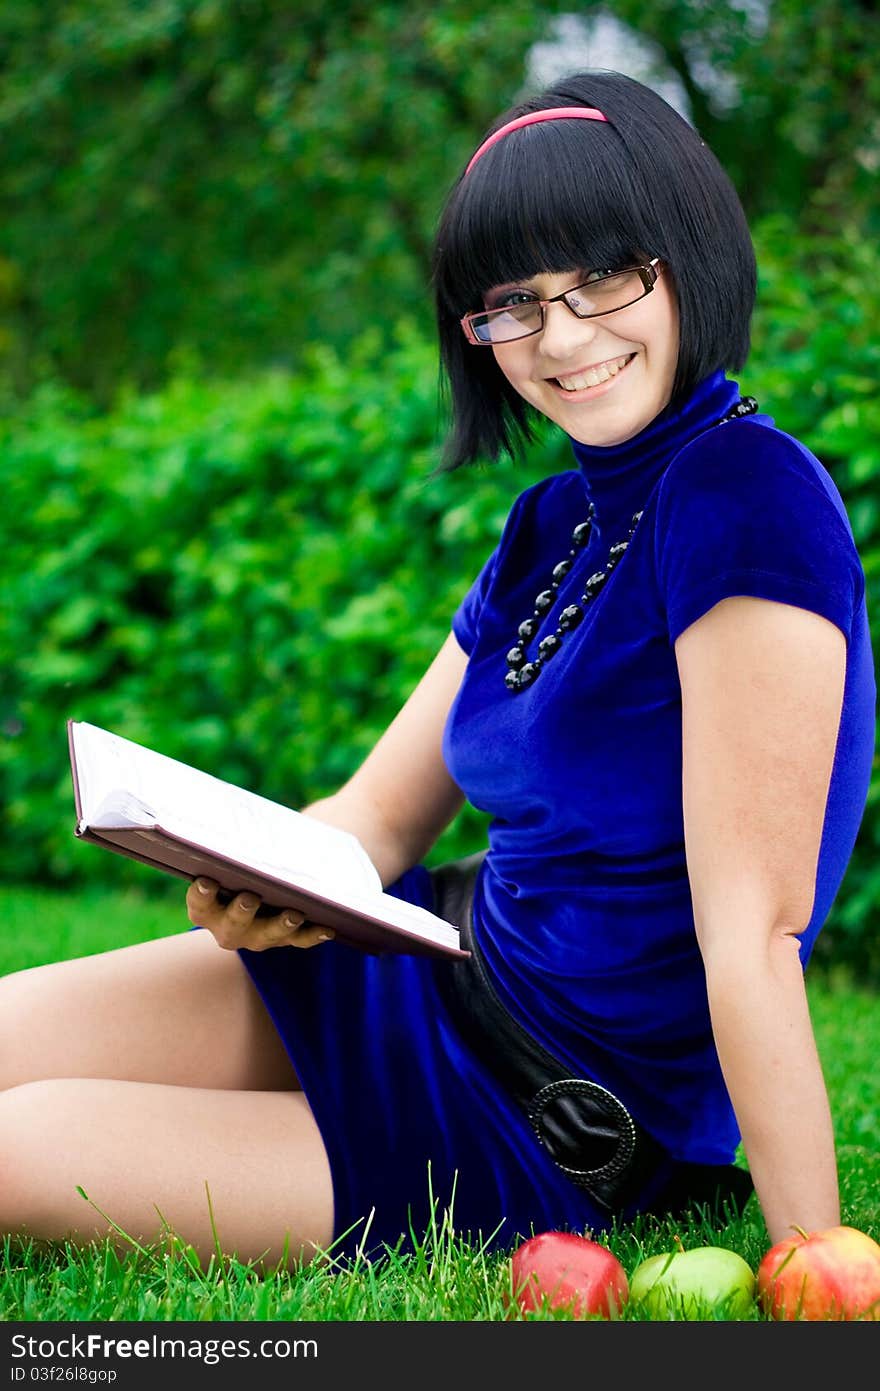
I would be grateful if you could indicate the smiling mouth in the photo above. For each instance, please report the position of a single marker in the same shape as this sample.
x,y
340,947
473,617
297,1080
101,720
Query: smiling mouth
x,y
594,376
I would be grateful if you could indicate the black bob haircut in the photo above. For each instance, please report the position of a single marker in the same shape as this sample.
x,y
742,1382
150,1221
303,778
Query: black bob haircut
x,y
580,195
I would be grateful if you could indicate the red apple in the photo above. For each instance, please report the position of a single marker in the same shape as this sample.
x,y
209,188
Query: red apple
x,y
830,1274
560,1270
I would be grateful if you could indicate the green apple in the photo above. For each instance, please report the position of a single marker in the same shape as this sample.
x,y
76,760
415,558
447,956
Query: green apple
x,y
694,1284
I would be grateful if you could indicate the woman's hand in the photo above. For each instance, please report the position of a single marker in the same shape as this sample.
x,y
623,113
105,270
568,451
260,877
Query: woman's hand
x,y
235,924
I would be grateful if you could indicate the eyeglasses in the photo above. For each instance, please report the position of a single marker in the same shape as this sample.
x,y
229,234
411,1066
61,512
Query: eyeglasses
x,y
603,293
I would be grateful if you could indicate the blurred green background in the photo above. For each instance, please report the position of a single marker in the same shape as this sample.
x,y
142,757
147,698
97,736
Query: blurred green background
x,y
221,534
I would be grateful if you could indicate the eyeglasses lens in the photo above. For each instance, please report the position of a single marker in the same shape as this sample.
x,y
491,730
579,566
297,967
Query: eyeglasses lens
x,y
601,296
501,325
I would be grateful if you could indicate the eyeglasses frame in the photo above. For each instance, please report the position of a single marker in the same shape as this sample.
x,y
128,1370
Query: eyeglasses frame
x,y
648,274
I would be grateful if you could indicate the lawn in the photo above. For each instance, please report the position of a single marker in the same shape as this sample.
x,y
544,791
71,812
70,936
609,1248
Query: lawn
x,y
445,1277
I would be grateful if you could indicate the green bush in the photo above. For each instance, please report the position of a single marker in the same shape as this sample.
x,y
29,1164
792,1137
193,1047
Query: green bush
x,y
815,365
252,575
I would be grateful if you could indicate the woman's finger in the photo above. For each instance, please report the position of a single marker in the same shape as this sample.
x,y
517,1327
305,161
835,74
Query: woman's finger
x,y
201,899
235,924
290,929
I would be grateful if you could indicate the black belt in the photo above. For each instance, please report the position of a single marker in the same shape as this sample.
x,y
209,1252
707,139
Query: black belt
x,y
586,1129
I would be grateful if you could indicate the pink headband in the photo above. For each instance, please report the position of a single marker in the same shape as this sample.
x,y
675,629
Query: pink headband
x,y
550,113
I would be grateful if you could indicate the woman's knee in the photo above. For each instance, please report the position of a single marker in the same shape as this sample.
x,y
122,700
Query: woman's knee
x,y
19,993
28,1140
42,1030
82,1159
176,1010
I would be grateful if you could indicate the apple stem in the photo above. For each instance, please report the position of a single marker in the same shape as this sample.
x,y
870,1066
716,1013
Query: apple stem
x,y
678,1241
800,1231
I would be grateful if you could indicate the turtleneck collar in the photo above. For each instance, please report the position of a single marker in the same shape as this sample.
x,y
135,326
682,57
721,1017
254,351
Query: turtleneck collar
x,y
620,477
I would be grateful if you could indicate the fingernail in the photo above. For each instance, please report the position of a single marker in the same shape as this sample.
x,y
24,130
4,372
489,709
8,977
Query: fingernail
x,y
202,888
326,936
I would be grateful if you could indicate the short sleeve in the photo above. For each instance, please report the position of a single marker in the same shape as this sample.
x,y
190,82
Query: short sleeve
x,y
749,511
465,620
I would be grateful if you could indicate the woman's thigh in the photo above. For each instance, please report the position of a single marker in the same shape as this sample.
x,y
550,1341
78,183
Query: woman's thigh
x,y
177,1010
246,1166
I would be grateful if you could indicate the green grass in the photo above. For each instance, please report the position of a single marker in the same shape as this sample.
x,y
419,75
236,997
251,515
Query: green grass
x,y
445,1277
42,925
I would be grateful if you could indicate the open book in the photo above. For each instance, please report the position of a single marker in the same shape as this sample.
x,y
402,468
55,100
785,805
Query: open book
x,y
163,813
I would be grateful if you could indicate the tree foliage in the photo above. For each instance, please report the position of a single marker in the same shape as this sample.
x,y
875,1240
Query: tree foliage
x,y
237,179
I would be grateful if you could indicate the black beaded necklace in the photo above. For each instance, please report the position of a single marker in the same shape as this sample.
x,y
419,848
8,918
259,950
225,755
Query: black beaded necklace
x,y
522,672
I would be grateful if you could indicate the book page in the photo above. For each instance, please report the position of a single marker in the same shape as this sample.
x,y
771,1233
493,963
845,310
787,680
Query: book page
x,y
398,912
420,920
122,783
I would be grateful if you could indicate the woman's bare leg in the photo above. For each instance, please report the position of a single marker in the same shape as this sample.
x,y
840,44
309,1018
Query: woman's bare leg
x,y
177,1010
139,1150
142,1075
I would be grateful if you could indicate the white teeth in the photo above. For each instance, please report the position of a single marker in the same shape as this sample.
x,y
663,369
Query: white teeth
x,y
595,376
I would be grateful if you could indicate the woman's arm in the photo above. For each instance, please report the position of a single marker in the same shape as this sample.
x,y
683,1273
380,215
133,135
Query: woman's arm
x,y
762,691
396,803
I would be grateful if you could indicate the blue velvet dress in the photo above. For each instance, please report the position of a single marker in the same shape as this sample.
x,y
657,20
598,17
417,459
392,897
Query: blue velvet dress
x,y
582,907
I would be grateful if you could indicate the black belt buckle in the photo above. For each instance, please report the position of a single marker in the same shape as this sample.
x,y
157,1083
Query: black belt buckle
x,y
573,1114
587,1131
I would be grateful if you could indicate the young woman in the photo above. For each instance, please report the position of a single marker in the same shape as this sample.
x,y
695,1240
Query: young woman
x,y
660,686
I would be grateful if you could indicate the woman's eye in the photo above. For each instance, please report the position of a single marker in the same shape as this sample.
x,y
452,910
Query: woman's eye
x,y
508,298
597,275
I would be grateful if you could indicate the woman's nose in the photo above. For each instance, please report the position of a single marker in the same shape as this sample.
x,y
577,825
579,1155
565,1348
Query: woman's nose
x,y
564,333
